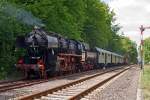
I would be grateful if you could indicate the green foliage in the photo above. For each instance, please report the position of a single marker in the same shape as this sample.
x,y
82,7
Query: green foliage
x,y
147,50
145,80
128,48
86,20
9,29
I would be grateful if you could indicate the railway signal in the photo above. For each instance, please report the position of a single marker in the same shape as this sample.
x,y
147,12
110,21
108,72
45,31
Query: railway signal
x,y
142,29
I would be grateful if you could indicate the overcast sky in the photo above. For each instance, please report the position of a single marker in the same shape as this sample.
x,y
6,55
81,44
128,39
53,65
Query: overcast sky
x,y
131,14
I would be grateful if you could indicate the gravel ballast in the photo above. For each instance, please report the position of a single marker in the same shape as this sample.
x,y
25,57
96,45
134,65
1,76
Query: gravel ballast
x,y
123,88
11,94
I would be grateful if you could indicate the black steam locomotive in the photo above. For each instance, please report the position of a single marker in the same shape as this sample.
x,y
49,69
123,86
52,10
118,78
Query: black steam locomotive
x,y
48,53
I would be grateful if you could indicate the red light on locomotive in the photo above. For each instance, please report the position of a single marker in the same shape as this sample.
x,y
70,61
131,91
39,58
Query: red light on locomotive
x,y
20,61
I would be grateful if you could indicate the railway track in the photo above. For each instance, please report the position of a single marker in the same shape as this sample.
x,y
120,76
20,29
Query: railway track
x,y
19,84
77,89
10,81
9,85
14,84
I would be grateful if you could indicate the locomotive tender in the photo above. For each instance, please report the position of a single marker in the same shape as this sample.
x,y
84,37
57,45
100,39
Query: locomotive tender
x,y
49,53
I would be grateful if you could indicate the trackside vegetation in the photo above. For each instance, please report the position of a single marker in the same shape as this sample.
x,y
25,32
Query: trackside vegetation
x,y
90,21
147,50
145,82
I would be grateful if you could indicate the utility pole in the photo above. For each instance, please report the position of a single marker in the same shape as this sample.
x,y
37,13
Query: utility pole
x,y
142,29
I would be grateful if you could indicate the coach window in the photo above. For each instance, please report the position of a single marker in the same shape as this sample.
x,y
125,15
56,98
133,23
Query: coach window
x,y
103,54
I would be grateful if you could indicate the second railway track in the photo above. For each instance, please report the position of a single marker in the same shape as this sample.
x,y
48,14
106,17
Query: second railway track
x,y
19,84
77,89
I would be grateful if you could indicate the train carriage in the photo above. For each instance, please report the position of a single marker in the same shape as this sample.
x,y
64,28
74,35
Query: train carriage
x,y
117,59
90,59
100,57
113,59
120,60
108,58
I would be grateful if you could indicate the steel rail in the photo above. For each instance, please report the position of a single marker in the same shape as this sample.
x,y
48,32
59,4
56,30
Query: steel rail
x,y
14,84
82,94
50,91
20,85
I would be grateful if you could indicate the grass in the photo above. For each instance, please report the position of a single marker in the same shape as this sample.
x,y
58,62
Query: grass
x,y
146,82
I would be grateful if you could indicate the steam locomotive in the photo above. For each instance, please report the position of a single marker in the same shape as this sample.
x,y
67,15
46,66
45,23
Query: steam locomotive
x,y
48,53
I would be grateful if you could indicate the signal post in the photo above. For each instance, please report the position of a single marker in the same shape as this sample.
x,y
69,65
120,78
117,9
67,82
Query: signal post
x,y
142,29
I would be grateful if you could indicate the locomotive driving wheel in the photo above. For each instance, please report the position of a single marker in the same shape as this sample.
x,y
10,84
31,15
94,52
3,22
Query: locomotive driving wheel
x,y
42,70
27,74
43,74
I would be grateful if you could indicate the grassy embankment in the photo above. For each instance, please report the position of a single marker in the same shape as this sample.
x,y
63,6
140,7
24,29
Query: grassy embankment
x,y
146,82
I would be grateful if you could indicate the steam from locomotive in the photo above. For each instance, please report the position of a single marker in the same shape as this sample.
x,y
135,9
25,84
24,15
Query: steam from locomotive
x,y
48,53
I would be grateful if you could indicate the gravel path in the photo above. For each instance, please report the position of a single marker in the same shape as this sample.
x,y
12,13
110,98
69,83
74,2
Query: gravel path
x,y
123,88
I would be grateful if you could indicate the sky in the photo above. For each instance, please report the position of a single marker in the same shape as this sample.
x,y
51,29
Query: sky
x,y
130,15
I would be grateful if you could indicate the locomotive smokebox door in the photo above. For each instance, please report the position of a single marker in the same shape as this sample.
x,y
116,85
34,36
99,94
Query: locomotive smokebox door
x,y
20,42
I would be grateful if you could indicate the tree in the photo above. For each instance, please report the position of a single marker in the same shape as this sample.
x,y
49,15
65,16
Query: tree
x,y
90,21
